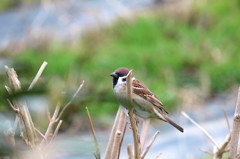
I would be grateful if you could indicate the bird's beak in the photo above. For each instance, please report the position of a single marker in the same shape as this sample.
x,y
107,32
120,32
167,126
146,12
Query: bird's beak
x,y
114,75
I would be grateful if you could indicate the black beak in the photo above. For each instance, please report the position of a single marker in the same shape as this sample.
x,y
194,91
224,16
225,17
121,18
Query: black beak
x,y
114,75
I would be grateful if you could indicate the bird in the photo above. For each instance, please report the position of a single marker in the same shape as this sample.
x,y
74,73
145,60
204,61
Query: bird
x,y
145,104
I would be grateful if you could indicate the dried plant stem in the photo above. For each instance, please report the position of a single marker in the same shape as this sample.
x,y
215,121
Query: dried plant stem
x,y
114,143
144,132
149,145
130,152
97,154
218,153
51,124
25,121
235,130
56,130
137,148
201,128
227,120
40,71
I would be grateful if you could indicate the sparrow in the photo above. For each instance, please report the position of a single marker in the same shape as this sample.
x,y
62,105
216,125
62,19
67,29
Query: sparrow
x,y
145,104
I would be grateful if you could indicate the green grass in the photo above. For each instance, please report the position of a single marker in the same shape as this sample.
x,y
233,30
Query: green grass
x,y
165,52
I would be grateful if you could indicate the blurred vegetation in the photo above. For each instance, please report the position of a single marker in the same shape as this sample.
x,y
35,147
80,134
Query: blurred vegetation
x,y
8,4
166,51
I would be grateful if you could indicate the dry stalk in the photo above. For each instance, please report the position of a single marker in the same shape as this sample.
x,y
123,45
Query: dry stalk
x,y
149,145
137,148
25,121
202,129
227,120
40,71
56,130
49,130
144,132
114,145
97,154
235,130
130,152
218,151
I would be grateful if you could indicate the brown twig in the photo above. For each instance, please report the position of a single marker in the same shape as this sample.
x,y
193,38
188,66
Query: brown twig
x,y
97,154
202,129
235,130
73,97
137,148
40,71
149,145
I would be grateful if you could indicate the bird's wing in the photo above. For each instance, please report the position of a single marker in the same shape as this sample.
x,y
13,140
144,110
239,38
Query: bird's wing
x,y
141,90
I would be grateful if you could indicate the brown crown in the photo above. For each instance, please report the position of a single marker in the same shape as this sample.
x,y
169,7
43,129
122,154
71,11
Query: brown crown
x,y
122,70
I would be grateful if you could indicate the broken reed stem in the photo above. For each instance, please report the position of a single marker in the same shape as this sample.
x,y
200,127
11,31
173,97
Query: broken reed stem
x,y
201,128
25,121
235,130
114,145
144,132
149,145
40,71
137,148
130,152
97,155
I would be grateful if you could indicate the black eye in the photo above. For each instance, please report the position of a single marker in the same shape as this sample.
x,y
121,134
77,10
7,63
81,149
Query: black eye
x,y
124,79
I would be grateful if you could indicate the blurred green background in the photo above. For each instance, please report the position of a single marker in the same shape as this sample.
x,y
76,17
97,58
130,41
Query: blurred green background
x,y
168,50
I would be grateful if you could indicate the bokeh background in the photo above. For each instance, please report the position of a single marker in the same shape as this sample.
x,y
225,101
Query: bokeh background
x,y
185,51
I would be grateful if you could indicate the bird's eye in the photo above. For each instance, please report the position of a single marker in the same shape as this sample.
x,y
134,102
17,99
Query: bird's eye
x,y
124,79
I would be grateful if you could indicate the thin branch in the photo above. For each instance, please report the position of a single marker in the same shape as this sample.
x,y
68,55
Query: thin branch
x,y
130,152
97,155
201,128
40,71
227,120
235,130
73,97
149,145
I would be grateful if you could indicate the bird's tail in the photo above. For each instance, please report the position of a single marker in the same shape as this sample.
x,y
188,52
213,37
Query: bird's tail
x,y
173,123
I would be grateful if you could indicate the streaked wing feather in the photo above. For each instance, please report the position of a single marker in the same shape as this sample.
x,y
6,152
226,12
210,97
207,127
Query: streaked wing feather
x,y
141,90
